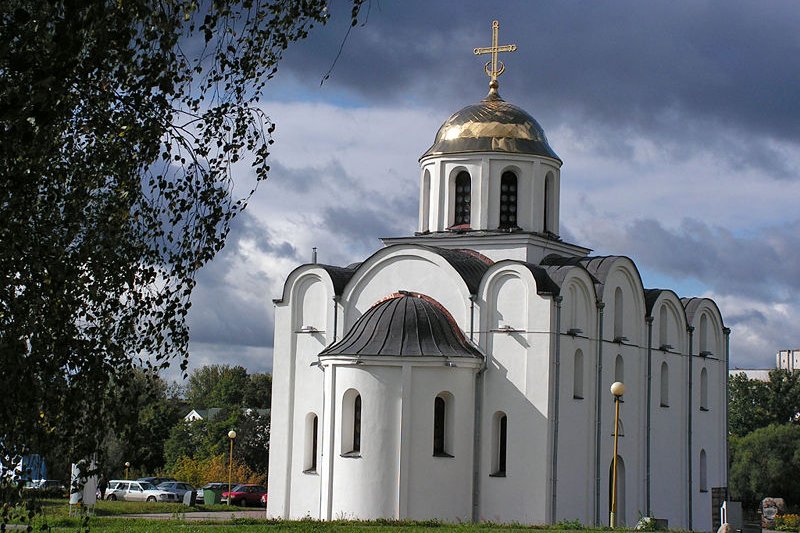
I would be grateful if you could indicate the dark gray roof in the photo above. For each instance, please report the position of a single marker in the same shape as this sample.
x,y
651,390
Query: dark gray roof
x,y
544,283
650,297
466,263
407,325
340,276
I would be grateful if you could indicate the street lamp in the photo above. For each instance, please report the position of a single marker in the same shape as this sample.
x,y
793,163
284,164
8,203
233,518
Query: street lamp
x,y
617,390
232,437
127,466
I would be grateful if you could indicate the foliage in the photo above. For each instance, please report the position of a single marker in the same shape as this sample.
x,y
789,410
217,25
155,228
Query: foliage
x,y
228,386
121,125
198,472
787,522
765,463
756,404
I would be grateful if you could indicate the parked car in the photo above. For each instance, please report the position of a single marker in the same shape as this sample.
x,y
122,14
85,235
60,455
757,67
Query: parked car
x,y
215,486
156,480
137,491
264,500
245,494
178,487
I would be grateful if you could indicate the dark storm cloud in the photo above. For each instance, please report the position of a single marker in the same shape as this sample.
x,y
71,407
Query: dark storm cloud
x,y
229,305
674,72
764,266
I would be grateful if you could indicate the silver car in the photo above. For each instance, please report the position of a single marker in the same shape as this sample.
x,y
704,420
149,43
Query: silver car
x,y
138,491
178,487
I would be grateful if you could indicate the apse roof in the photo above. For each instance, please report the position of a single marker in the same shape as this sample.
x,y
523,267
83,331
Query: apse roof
x,y
404,325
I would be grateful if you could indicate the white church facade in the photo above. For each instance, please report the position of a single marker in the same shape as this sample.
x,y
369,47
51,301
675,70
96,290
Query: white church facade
x,y
463,373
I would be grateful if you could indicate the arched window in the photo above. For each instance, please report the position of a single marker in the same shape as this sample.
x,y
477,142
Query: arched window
x,y
310,462
425,211
704,389
463,199
351,423
619,313
508,200
499,444
619,369
664,384
442,426
548,198
577,376
703,472
703,336
662,328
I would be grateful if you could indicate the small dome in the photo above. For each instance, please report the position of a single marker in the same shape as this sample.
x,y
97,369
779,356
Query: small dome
x,y
491,125
406,325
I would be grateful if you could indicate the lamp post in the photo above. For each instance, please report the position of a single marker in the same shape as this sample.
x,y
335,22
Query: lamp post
x,y
127,466
232,437
617,390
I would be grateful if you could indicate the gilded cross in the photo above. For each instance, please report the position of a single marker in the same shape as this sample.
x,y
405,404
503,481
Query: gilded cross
x,y
494,67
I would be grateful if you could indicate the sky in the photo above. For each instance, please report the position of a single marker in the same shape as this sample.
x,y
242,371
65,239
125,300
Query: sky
x,y
678,123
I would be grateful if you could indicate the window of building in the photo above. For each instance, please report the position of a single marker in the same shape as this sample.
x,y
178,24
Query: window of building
x,y
499,445
664,384
463,199
703,472
577,376
310,461
549,194
619,369
662,327
618,315
508,200
704,389
351,424
443,425
703,335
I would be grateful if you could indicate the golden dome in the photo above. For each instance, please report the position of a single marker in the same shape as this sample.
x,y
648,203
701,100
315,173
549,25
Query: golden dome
x,y
491,125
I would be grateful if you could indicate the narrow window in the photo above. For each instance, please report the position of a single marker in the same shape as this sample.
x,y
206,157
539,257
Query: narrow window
x,y
438,426
703,472
351,424
310,462
577,376
357,425
548,198
704,389
662,328
618,315
463,199
508,200
500,445
703,335
664,384
619,369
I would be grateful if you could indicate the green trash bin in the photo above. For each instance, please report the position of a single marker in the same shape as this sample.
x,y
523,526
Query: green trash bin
x,y
211,496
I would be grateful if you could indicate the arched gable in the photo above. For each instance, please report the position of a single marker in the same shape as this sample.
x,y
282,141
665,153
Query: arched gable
x,y
448,276
579,304
696,310
619,272
667,311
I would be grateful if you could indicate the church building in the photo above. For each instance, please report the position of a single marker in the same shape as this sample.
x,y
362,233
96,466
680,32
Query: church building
x,y
463,373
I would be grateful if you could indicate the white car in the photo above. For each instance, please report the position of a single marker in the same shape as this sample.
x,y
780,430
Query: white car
x,y
178,487
137,491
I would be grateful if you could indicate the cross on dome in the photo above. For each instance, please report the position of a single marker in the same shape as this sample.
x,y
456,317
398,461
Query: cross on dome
x,y
494,67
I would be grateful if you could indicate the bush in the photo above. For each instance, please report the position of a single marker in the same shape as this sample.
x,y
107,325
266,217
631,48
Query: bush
x,y
787,522
198,472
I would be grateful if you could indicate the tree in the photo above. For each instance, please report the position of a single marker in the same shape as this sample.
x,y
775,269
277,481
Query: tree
x,y
756,404
765,463
121,125
216,386
258,394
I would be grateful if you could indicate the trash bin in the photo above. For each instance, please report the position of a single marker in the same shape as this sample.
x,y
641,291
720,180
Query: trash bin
x,y
190,498
211,496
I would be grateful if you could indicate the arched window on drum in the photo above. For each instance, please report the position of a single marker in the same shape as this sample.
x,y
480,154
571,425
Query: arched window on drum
x,y
508,200
463,199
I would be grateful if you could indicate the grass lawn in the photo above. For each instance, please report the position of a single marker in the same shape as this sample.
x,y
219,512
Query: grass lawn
x,y
110,517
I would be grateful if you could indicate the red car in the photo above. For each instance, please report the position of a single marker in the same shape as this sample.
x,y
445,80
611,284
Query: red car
x,y
245,494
